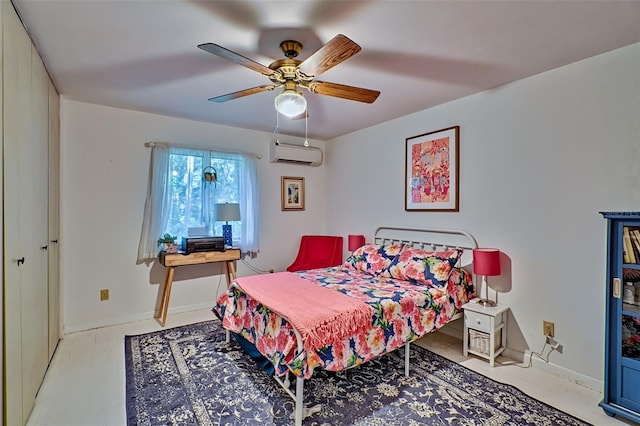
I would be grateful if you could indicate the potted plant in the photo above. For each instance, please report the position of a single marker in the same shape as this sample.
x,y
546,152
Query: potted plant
x,y
168,242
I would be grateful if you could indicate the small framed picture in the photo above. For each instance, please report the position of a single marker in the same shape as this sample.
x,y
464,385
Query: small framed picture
x,y
431,171
292,193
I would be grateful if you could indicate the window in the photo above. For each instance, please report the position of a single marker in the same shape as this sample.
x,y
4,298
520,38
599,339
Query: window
x,y
193,198
179,197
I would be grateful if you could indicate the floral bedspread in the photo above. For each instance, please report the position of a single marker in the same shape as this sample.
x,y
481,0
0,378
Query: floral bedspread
x,y
403,311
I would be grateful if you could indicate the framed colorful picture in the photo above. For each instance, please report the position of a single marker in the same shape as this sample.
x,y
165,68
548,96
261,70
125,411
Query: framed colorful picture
x,y
292,193
431,171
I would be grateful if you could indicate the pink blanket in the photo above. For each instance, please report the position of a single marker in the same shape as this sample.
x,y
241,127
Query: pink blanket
x,y
321,315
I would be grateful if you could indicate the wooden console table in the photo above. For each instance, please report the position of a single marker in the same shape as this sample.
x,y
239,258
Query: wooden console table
x,y
172,260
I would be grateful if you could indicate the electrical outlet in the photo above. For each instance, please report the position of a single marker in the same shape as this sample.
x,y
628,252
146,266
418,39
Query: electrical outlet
x,y
548,328
104,294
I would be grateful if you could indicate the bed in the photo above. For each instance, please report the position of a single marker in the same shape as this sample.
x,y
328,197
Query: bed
x,y
409,282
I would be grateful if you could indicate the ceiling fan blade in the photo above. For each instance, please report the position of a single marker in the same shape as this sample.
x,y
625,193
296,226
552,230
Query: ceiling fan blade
x,y
343,91
236,57
242,93
338,49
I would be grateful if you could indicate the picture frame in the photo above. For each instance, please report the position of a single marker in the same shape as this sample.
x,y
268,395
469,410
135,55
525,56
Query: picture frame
x,y
292,193
432,173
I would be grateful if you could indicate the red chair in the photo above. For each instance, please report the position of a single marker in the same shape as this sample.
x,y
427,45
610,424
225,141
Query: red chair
x,y
317,251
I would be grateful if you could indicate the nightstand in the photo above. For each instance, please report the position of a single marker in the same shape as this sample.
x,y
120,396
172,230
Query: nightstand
x,y
485,330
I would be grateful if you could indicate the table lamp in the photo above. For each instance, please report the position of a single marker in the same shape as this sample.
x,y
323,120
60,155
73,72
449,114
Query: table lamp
x,y
486,262
224,213
355,242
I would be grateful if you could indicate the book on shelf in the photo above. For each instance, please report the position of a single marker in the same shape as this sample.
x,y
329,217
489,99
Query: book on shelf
x,y
635,240
629,255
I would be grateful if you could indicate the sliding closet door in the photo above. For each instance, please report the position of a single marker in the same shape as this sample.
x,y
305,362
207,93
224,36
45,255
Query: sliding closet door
x,y
34,200
1,222
17,81
54,219
25,191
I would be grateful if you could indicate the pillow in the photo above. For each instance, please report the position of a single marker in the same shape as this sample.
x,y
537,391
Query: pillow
x,y
425,267
374,259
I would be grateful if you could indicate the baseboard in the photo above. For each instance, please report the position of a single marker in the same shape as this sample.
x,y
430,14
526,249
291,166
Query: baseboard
x,y
556,370
75,328
455,329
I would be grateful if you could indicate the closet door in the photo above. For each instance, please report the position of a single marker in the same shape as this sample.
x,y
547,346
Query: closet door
x,y
17,82
25,187
2,221
54,219
34,201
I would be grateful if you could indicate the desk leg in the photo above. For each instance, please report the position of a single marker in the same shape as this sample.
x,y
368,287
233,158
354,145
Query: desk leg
x,y
166,292
230,272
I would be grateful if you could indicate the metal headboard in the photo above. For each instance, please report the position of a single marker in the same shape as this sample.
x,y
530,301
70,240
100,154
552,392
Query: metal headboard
x,y
428,239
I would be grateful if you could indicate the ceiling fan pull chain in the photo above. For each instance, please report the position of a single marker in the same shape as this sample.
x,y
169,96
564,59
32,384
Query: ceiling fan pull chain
x,y
275,130
306,119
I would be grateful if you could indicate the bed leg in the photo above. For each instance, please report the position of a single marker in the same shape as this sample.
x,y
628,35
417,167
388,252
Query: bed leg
x,y
227,336
287,383
299,400
406,359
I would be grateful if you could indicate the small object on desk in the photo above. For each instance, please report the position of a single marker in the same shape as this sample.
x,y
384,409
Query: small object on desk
x,y
202,244
172,260
170,247
168,242
227,212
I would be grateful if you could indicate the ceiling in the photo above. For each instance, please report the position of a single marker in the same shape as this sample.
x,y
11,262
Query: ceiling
x,y
142,54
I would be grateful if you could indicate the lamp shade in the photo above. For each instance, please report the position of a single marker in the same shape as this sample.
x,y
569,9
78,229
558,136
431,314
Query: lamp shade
x,y
486,261
227,212
355,242
290,103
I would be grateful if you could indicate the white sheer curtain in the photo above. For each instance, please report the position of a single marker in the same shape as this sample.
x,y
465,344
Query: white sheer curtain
x,y
160,191
157,203
250,239
248,200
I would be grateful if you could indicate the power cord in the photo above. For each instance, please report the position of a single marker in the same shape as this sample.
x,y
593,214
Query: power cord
x,y
253,268
219,285
540,354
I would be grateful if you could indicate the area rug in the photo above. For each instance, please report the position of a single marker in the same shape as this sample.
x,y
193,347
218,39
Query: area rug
x,y
190,376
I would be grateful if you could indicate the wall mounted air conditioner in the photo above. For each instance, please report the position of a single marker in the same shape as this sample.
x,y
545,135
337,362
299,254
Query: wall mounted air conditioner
x,y
295,154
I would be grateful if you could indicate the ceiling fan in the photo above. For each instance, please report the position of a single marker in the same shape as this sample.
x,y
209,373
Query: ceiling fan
x,y
292,74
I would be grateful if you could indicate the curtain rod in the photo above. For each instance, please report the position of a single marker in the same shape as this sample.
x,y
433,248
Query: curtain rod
x,y
152,144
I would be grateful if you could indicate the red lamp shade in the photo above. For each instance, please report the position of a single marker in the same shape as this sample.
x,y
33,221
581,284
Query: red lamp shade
x,y
486,261
355,242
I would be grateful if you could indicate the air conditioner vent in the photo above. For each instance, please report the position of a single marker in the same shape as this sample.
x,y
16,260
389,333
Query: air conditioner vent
x,y
295,154
284,160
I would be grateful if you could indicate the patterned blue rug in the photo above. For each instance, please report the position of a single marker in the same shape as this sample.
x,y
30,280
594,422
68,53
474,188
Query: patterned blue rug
x,y
190,376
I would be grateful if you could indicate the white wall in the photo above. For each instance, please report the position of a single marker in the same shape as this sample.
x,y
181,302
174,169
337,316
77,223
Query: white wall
x,y
104,170
539,159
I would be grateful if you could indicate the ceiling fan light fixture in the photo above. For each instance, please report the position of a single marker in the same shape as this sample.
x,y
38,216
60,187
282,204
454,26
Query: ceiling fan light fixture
x,y
290,103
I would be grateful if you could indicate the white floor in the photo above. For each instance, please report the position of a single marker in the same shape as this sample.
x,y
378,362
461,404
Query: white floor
x,y
85,383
